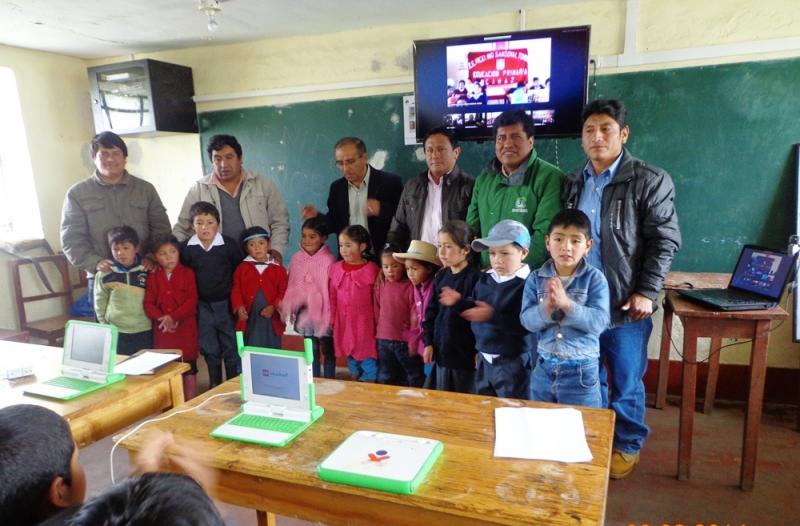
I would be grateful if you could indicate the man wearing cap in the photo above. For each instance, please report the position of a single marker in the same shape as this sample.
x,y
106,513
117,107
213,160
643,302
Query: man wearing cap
x,y
504,345
439,194
517,185
363,195
244,198
635,235
110,197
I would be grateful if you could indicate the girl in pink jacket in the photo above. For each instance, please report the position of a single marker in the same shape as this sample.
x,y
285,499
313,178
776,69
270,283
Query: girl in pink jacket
x,y
351,287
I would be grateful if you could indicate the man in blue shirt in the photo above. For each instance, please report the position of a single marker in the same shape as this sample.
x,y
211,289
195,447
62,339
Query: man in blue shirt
x,y
635,235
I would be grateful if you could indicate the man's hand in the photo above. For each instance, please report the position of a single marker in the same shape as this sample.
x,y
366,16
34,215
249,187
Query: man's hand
x,y
449,297
638,306
558,296
372,208
427,355
148,264
308,211
241,313
482,311
104,265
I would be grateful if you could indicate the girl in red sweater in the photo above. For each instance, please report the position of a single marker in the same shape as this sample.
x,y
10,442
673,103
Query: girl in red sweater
x,y
170,300
259,284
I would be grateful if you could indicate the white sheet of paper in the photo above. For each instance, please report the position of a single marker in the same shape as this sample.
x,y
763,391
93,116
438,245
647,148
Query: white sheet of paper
x,y
144,363
541,434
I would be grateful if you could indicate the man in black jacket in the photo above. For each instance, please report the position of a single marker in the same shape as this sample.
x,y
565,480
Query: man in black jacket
x,y
418,217
363,196
635,235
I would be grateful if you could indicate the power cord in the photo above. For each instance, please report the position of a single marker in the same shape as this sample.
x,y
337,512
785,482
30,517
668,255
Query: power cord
x,y
159,419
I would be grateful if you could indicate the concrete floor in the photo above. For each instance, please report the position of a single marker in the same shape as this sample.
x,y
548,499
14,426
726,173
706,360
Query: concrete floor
x,y
652,494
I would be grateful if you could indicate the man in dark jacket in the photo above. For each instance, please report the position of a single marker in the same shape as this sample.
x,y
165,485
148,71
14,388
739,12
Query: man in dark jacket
x,y
635,235
418,217
363,195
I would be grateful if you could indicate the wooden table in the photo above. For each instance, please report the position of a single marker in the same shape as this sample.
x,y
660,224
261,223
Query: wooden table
x,y
99,414
466,486
698,322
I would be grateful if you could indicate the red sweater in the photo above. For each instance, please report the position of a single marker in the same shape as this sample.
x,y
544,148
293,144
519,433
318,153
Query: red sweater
x,y
246,284
177,297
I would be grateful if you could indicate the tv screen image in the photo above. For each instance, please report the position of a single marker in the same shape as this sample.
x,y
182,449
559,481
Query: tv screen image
x,y
464,83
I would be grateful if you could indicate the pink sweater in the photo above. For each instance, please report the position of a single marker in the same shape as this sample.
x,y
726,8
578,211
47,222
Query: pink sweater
x,y
393,307
421,296
306,299
352,312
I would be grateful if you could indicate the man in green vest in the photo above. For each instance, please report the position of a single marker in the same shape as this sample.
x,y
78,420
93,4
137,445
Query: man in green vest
x,y
517,185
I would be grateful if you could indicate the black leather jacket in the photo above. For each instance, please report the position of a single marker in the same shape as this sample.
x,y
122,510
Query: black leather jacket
x,y
640,229
407,222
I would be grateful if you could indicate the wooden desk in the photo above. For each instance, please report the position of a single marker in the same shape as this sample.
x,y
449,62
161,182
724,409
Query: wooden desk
x,y
698,322
466,486
99,414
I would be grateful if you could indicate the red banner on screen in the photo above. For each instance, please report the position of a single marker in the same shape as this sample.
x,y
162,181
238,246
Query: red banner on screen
x,y
499,66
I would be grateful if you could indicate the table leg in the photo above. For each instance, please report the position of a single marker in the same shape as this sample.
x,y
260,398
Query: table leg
x,y
663,358
176,390
689,385
713,374
755,398
265,518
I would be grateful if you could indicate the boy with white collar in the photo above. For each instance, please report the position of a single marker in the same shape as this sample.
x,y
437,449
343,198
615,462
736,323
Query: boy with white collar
x,y
504,361
213,257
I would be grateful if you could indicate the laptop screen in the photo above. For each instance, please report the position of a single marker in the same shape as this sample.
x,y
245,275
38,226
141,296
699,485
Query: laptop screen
x,y
88,345
762,271
275,376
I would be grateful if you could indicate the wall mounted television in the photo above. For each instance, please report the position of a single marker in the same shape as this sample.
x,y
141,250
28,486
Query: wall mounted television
x,y
464,83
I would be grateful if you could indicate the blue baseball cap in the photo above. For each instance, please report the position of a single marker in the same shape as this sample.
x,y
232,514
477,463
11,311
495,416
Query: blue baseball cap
x,y
505,232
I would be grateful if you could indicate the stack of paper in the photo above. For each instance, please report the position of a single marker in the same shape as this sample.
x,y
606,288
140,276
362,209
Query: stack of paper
x,y
144,363
541,434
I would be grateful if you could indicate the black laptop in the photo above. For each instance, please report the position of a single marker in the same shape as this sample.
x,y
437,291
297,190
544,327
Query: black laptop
x,y
757,283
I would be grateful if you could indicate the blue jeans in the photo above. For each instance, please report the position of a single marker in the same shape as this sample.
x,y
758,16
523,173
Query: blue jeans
x,y
366,370
322,347
623,351
396,366
574,382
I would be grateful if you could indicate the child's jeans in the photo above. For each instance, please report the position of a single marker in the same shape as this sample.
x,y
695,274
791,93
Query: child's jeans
x,y
396,366
323,348
574,382
366,370
218,340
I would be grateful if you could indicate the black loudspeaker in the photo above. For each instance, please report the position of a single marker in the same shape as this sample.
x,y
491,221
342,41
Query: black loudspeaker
x,y
143,96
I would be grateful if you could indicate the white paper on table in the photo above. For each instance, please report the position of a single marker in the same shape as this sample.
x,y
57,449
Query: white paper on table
x,y
144,363
541,434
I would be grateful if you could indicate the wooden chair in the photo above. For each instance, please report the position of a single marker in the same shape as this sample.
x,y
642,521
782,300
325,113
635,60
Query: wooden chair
x,y
30,289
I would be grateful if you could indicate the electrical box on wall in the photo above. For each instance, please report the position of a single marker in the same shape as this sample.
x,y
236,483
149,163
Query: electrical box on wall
x,y
143,96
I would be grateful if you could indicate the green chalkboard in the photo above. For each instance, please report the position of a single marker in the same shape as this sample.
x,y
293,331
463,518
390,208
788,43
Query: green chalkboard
x,y
724,133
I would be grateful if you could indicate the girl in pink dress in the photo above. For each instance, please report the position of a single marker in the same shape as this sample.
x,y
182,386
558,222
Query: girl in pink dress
x,y
351,287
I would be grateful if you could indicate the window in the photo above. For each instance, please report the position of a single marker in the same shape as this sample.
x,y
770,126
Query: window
x,y
19,208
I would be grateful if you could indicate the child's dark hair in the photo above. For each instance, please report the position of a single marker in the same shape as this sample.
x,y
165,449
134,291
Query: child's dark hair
x,y
462,235
36,446
166,499
252,232
123,234
203,208
572,217
318,224
389,249
359,234
160,241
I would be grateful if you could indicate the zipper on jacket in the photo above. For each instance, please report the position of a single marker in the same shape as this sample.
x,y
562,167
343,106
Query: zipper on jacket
x,y
619,214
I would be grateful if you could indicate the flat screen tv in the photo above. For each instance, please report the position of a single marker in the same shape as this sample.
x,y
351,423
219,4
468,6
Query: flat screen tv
x,y
464,83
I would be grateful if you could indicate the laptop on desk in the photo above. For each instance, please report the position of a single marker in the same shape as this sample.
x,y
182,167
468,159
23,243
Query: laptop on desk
x,y
757,283
90,352
278,395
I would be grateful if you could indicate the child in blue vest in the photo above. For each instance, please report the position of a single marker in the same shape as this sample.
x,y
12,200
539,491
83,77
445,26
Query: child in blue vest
x,y
566,302
504,345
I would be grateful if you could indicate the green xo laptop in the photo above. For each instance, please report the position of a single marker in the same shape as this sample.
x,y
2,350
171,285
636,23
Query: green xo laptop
x,y
278,394
90,352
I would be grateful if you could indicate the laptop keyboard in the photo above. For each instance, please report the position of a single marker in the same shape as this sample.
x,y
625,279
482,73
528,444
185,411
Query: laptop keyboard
x,y
267,423
71,383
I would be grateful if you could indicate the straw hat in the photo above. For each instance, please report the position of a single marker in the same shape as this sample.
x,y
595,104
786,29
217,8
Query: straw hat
x,y
421,251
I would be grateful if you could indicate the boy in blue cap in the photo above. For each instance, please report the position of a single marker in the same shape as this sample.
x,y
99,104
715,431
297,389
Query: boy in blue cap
x,y
504,363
